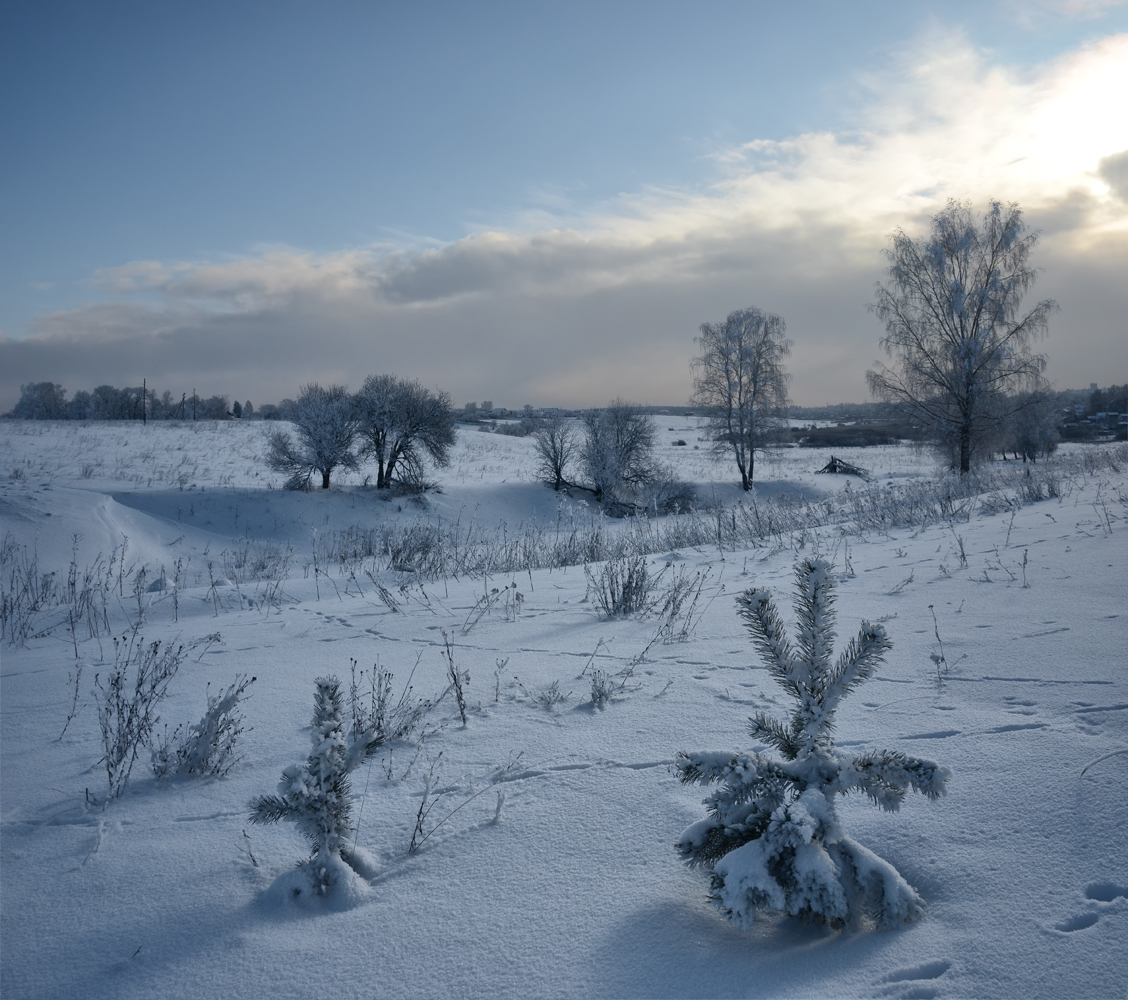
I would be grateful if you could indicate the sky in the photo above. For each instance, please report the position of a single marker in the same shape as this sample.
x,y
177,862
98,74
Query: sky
x,y
532,203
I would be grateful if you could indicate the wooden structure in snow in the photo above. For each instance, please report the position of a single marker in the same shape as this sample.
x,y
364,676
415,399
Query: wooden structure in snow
x,y
837,466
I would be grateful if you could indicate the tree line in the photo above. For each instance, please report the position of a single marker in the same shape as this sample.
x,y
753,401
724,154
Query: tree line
x,y
48,401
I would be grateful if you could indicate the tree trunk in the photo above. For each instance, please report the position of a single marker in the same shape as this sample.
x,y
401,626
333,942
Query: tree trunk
x,y
325,479
965,449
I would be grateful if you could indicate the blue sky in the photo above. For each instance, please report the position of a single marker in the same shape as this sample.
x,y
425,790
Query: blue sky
x,y
532,203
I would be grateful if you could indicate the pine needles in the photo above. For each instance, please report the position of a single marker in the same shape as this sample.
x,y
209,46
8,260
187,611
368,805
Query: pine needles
x,y
772,839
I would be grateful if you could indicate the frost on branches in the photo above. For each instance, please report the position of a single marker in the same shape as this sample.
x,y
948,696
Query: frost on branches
x,y
773,839
317,797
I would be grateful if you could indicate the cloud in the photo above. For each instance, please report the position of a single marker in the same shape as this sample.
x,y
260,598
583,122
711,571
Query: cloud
x,y
590,304
1113,171
1036,13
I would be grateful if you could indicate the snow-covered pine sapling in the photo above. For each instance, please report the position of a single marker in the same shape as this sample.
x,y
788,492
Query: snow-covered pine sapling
x,y
317,795
773,839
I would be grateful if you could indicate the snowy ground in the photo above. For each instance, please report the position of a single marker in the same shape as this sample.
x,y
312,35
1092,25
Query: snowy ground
x,y
570,886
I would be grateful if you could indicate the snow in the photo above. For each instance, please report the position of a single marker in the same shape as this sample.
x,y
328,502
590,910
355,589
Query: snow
x,y
570,884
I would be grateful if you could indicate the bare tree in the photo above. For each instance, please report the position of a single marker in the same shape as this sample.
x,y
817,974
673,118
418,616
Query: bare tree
x,y
962,351
556,446
401,422
740,380
1032,431
326,421
617,450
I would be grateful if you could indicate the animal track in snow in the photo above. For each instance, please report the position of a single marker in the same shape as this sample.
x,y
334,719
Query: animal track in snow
x,y
1015,706
1038,635
942,734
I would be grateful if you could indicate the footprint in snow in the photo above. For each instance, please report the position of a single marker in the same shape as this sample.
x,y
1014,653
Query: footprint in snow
x,y
928,970
916,978
1098,892
1105,892
1078,923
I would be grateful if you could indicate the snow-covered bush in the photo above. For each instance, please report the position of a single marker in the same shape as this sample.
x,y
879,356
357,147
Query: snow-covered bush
x,y
317,797
773,839
208,747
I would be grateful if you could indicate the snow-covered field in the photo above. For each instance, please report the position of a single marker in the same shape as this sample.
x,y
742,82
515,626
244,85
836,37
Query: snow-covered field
x,y
548,867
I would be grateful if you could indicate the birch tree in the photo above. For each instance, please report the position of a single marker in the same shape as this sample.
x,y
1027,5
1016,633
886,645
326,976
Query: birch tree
x,y
740,380
962,348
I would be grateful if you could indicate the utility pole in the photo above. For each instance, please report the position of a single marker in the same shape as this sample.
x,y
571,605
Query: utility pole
x,y
193,403
144,400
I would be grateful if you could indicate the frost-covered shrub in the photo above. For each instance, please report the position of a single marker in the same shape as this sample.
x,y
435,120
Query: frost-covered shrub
x,y
602,688
127,703
617,452
666,495
391,720
773,839
317,796
621,586
677,605
208,747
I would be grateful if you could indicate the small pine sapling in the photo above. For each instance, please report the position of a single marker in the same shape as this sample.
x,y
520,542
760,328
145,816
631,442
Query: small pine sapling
x,y
773,839
317,795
